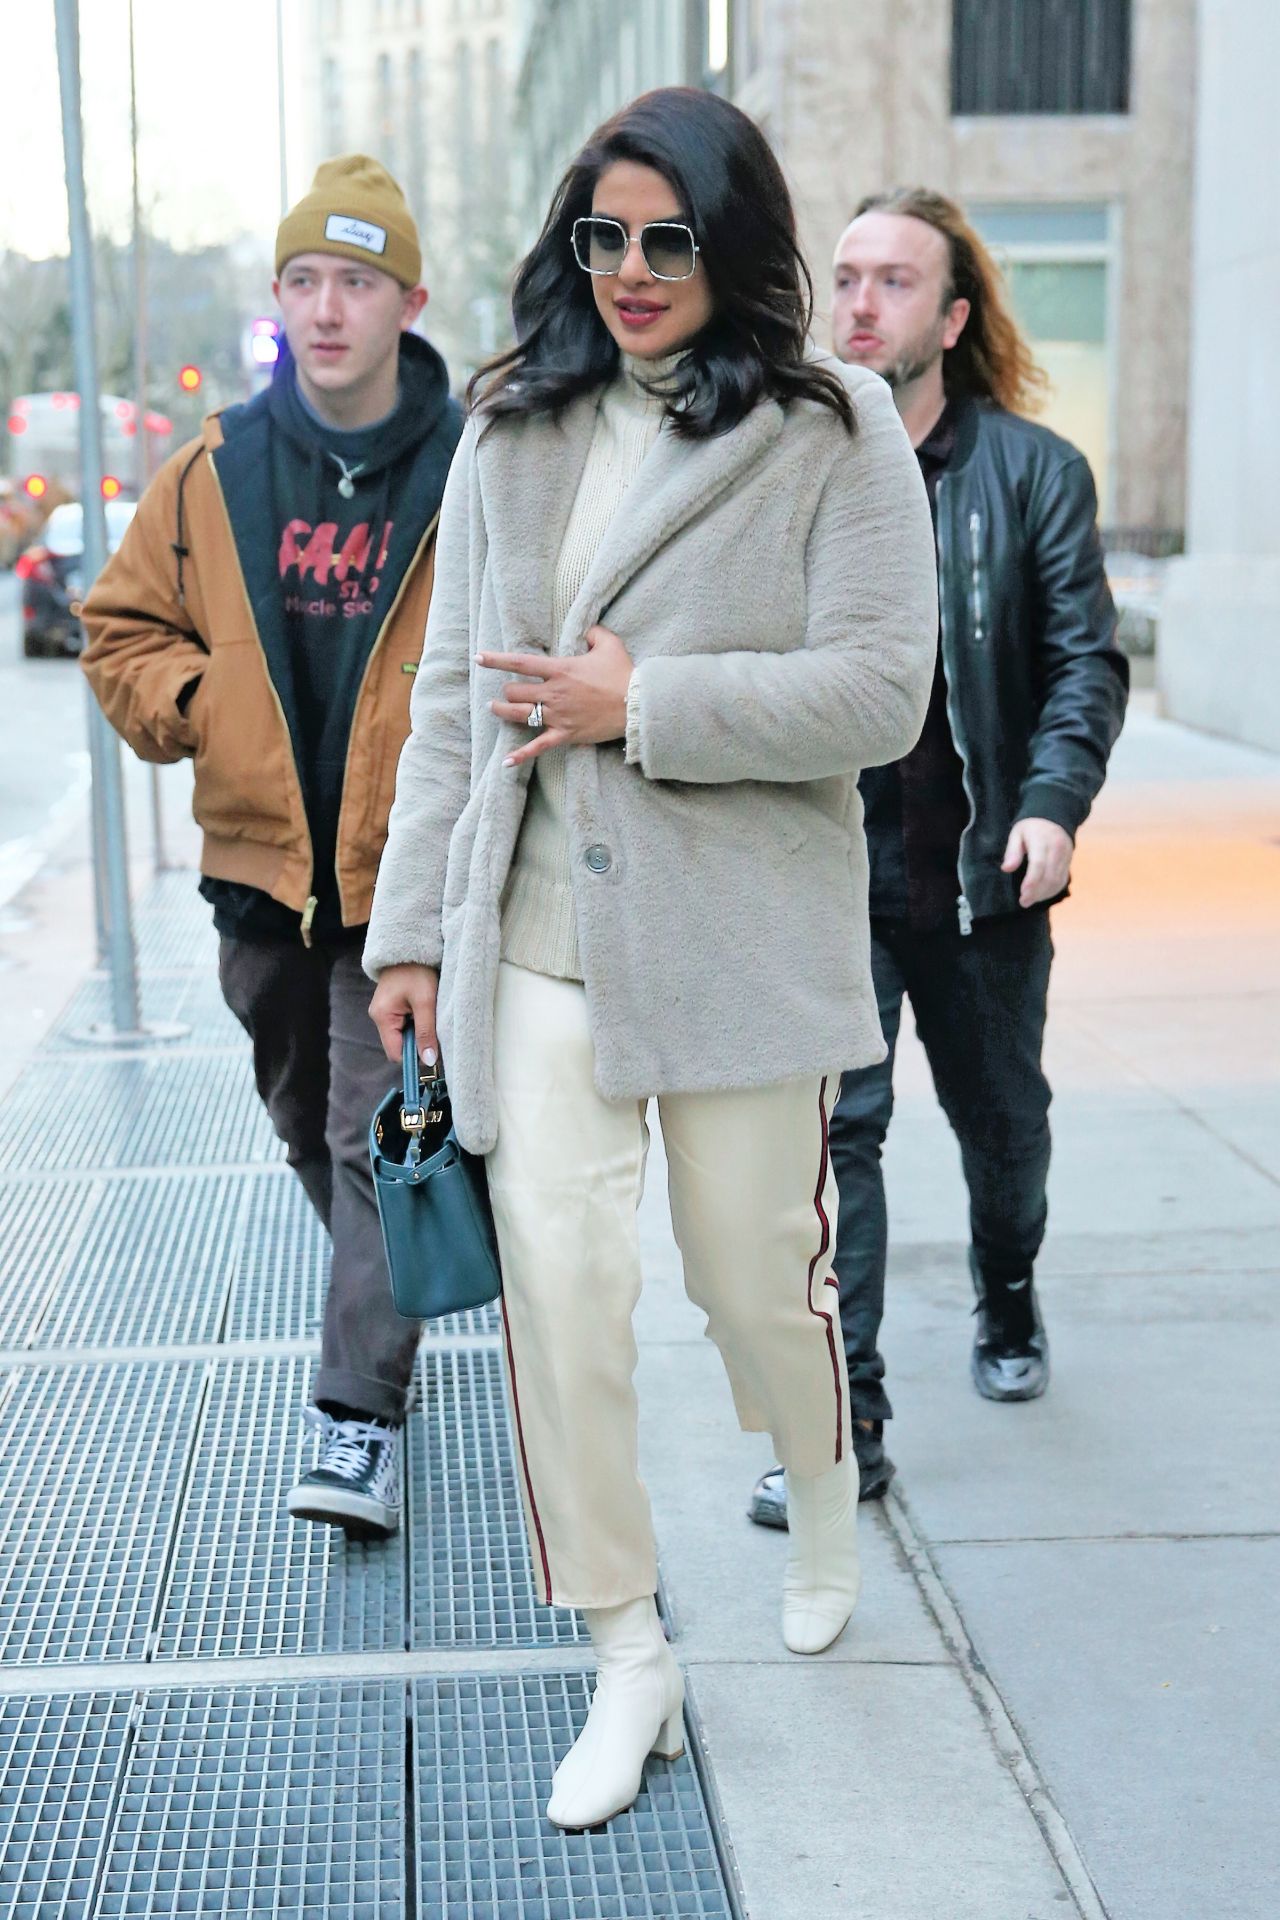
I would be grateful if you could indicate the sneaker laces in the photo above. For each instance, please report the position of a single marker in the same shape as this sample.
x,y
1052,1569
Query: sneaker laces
x,y
345,1444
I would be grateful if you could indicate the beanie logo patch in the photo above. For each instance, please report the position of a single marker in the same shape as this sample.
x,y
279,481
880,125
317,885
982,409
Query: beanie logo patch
x,y
355,233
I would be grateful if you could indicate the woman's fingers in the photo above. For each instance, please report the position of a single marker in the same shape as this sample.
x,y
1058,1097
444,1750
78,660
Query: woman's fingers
x,y
406,993
540,743
535,666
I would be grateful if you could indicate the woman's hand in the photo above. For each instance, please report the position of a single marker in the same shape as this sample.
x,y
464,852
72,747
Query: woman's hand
x,y
583,696
406,993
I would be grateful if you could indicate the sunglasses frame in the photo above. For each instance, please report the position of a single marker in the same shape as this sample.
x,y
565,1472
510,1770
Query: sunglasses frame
x,y
609,273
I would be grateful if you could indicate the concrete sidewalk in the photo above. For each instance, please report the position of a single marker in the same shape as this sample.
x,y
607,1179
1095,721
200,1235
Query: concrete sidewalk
x,y
1058,1693
1055,1695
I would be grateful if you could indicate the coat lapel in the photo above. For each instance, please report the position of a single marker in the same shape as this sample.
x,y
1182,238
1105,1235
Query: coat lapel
x,y
529,472
679,479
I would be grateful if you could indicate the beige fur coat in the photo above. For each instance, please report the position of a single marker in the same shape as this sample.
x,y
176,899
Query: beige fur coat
x,y
776,588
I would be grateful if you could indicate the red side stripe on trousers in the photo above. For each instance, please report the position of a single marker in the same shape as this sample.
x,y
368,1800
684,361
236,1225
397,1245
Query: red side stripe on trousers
x,y
524,1458
821,1254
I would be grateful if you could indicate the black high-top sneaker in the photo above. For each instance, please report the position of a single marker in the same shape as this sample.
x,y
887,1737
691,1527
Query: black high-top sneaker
x,y
355,1484
1010,1347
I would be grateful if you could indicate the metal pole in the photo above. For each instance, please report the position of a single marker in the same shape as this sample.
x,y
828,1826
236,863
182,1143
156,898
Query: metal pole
x,y
142,439
124,978
142,468
284,154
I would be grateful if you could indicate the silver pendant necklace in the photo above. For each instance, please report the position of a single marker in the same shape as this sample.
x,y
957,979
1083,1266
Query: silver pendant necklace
x,y
347,484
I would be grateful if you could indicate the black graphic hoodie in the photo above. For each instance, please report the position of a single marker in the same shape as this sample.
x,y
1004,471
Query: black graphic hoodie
x,y
343,514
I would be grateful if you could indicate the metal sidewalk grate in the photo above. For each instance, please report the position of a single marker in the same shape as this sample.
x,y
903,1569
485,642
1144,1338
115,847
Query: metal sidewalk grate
x,y
279,1289
283,1271
173,926
247,1579
149,1112
91,1465
263,1800
116,1262
42,1230
193,998
472,1585
478,1323
60,1758
485,1750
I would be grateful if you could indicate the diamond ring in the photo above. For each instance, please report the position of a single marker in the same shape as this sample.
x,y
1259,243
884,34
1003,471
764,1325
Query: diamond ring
x,y
535,719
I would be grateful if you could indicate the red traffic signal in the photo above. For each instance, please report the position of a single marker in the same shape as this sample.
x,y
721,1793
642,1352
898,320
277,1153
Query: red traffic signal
x,y
189,379
110,487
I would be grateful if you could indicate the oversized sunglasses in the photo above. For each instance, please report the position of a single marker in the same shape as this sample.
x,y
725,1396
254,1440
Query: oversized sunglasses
x,y
667,247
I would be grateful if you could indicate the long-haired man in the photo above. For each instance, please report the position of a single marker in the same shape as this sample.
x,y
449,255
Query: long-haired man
x,y
970,837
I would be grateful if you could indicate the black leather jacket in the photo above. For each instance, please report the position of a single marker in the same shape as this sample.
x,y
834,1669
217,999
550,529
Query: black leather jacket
x,y
1036,685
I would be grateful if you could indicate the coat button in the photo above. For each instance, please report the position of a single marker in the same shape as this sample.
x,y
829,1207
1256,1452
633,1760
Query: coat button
x,y
599,859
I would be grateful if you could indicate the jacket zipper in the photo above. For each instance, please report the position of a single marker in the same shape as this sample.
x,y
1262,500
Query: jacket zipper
x,y
309,906
975,571
964,912
364,678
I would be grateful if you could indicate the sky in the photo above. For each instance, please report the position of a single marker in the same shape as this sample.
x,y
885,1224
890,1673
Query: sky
x,y
208,126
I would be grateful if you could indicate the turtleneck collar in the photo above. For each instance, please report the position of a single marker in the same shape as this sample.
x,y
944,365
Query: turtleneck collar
x,y
638,377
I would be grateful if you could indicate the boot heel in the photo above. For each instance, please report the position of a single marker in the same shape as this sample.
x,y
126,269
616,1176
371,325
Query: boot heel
x,y
669,1744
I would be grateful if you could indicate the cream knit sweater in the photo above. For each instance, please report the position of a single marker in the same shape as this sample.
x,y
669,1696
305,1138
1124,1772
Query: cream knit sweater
x,y
539,928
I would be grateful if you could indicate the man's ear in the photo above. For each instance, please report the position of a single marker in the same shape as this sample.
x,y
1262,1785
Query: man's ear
x,y
415,300
953,326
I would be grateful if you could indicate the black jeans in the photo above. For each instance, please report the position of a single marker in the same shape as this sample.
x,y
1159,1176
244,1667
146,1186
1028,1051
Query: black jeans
x,y
979,1004
321,1071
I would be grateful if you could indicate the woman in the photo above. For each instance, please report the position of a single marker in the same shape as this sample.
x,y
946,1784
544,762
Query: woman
x,y
628,852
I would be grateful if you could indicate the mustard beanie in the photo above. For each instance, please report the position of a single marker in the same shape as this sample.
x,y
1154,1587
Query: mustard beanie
x,y
356,210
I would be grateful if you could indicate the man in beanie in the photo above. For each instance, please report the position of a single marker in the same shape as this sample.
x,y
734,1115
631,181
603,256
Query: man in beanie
x,y
264,614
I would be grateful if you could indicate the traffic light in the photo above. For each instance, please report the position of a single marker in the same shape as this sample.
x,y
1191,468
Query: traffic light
x,y
264,342
190,379
35,486
110,487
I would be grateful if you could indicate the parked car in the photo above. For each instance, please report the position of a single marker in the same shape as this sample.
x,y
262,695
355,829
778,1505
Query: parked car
x,y
52,576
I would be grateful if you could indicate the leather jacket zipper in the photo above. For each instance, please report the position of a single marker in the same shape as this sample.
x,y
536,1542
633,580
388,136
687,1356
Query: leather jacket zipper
x,y
964,911
975,572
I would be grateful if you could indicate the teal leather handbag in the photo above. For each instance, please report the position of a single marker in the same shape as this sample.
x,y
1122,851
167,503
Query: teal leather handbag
x,y
433,1200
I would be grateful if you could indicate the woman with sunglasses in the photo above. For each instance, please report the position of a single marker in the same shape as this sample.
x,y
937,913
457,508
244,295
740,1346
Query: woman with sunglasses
x,y
685,589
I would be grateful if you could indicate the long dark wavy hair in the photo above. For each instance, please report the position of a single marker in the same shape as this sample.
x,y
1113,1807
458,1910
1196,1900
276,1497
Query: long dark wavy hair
x,y
732,193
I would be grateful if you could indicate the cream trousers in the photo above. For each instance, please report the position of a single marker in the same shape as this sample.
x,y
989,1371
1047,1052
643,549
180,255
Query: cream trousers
x,y
753,1203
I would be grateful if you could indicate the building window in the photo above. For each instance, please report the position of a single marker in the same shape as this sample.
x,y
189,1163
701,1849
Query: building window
x,y
415,84
749,52
496,114
1040,56
465,124
710,44
386,114
331,105
1059,265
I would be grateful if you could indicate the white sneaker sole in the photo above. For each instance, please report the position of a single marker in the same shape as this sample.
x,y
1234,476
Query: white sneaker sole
x,y
331,1507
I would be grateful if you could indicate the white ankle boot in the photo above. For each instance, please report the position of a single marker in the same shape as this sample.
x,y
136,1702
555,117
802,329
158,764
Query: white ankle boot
x,y
821,1586
637,1710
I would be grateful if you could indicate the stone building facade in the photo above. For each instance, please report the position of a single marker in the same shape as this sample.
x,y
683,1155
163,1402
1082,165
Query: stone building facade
x,y
425,86
1073,153
1218,653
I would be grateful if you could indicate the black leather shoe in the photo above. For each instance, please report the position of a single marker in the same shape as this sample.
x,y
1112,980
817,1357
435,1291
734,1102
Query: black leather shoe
x,y
875,1470
1010,1347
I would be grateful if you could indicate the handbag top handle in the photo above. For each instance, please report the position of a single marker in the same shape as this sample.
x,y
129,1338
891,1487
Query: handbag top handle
x,y
413,1115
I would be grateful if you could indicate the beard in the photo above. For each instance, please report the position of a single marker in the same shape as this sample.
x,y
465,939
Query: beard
x,y
915,359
